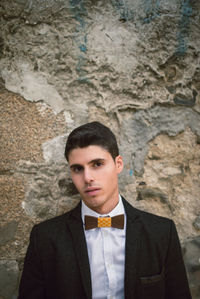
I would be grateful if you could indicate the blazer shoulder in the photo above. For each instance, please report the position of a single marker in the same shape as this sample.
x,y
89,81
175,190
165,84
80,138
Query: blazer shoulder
x,y
57,222
156,228
146,217
155,218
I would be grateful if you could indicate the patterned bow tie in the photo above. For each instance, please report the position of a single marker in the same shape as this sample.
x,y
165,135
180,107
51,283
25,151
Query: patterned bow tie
x,y
93,222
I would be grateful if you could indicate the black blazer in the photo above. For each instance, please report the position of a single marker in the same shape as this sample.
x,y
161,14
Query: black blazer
x,y
57,266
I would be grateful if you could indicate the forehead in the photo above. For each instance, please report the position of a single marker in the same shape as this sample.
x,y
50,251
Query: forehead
x,y
86,154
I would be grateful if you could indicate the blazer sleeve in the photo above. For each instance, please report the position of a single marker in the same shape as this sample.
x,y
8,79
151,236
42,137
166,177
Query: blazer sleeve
x,y
32,284
176,278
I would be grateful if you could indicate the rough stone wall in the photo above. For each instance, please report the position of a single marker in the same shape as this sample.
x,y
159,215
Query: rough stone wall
x,y
131,64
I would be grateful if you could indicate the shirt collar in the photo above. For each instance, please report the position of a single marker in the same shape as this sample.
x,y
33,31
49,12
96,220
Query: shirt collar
x,y
85,210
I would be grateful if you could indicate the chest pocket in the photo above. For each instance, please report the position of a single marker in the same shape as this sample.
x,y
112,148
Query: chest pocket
x,y
152,287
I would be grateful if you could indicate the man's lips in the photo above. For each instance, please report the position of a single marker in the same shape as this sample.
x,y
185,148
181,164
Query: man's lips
x,y
92,190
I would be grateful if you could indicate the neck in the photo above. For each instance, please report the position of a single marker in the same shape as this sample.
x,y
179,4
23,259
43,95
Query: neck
x,y
106,210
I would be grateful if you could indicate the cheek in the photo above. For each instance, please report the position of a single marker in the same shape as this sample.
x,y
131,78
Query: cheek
x,y
109,177
76,181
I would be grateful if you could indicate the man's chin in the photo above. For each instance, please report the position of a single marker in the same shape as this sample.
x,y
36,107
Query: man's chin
x,y
92,201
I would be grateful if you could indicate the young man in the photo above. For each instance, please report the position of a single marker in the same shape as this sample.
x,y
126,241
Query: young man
x,y
104,248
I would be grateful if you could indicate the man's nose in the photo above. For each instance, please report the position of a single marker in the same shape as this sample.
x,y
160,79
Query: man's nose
x,y
88,176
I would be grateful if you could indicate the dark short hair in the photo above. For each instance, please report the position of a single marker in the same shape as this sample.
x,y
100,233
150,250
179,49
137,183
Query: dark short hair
x,y
93,133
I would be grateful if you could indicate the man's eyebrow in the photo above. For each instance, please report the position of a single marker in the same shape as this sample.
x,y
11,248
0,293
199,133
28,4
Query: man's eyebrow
x,y
96,160
90,162
75,165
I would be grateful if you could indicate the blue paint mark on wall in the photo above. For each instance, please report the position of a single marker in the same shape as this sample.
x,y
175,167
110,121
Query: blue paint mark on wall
x,y
126,14
150,7
83,48
151,10
131,172
79,12
186,12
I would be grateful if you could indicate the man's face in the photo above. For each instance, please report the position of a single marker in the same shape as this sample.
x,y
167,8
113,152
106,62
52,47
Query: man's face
x,y
95,175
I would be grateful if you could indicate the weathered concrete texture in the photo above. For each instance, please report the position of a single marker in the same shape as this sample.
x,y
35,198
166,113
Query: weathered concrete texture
x,y
24,127
170,185
82,54
53,150
14,224
131,64
9,273
50,191
143,126
32,85
196,223
7,232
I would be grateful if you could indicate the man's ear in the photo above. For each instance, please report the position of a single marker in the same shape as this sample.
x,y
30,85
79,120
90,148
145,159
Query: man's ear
x,y
119,163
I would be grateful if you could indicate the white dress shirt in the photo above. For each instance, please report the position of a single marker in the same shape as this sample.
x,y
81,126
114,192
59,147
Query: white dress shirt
x,y
106,251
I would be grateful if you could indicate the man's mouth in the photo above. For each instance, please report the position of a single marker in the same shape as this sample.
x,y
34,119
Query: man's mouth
x,y
92,191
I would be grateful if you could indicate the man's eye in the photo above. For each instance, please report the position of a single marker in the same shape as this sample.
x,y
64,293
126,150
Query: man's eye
x,y
77,169
98,164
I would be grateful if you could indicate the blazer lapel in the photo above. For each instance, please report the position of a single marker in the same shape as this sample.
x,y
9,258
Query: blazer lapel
x,y
78,236
133,247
